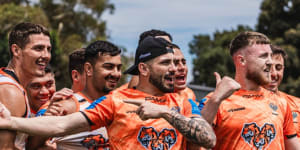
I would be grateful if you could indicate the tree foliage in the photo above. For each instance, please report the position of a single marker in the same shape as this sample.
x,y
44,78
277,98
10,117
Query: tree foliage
x,y
72,24
213,55
11,15
279,20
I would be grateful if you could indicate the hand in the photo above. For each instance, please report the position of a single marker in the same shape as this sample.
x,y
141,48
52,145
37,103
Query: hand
x,y
55,109
148,110
224,87
5,117
62,94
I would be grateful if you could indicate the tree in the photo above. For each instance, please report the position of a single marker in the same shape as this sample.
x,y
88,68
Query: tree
x,y
213,55
11,15
280,20
77,22
73,24
126,62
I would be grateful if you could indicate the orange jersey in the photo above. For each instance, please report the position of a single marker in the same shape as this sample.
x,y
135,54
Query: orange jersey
x,y
96,139
126,131
253,120
124,86
188,94
294,103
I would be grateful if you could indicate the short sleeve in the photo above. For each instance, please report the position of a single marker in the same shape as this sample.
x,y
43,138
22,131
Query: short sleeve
x,y
100,112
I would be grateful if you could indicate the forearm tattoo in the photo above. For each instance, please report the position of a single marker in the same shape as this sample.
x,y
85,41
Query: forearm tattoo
x,y
196,130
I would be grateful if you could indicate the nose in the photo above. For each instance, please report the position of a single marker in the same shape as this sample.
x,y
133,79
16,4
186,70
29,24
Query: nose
x,y
46,54
44,90
116,73
269,61
180,67
274,73
172,68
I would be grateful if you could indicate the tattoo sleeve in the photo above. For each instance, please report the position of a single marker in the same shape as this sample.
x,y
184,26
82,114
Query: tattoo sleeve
x,y
196,130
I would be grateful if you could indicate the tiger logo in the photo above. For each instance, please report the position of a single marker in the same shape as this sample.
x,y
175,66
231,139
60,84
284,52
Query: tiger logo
x,y
257,137
95,142
153,140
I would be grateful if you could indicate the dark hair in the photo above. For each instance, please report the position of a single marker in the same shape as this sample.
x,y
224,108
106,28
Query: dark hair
x,y
247,38
102,47
154,33
21,32
278,50
174,46
76,61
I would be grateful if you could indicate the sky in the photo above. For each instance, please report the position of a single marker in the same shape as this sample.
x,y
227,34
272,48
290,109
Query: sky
x,y
182,19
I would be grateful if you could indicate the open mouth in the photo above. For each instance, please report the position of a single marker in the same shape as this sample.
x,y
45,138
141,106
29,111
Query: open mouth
x,y
273,83
42,64
169,79
180,79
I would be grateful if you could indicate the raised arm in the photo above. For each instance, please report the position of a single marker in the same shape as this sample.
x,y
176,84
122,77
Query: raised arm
x,y
224,88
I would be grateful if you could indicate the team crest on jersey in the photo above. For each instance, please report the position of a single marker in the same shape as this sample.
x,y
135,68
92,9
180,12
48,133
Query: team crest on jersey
x,y
258,138
154,140
95,142
274,108
295,115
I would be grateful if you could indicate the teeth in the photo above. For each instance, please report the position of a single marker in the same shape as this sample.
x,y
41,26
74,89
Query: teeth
x,y
42,64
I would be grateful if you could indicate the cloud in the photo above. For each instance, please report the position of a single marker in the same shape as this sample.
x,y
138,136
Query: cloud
x,y
182,19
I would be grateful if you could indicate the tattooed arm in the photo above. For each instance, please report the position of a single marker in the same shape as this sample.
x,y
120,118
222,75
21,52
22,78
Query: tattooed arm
x,y
195,130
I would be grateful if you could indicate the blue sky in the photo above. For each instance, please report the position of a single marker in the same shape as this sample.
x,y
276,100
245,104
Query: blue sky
x,y
182,19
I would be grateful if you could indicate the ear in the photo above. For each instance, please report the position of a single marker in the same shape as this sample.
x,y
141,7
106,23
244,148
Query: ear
x,y
241,59
75,76
88,68
15,50
143,69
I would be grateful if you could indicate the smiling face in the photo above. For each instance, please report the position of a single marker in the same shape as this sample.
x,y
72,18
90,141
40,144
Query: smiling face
x,y
106,73
181,70
162,72
35,56
40,90
277,71
258,63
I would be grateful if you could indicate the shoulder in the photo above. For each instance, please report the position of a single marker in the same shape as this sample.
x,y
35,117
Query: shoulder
x,y
13,97
11,90
124,86
290,97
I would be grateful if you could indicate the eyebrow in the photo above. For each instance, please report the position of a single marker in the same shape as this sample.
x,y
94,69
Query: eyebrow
x,y
108,63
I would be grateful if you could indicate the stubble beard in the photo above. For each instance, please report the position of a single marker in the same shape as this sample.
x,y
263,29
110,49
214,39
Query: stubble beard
x,y
157,82
106,90
256,77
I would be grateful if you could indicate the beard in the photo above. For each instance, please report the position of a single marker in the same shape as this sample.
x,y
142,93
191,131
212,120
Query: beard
x,y
257,77
106,90
103,87
156,80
